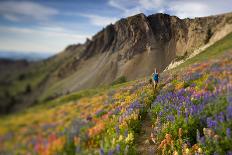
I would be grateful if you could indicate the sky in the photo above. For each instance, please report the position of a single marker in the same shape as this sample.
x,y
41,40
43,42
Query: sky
x,y
48,26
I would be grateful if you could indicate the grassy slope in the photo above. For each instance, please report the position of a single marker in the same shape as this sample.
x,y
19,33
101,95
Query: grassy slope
x,y
205,81
35,75
9,123
216,50
213,51
17,88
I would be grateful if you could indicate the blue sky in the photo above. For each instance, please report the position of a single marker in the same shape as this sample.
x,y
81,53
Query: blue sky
x,y
48,26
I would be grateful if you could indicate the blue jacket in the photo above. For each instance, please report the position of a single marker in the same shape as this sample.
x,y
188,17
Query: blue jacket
x,y
156,77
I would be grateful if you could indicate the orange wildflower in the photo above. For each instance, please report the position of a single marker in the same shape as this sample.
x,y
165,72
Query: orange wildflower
x,y
96,129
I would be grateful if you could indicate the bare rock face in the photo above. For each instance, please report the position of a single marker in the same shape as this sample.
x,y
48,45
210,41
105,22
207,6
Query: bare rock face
x,y
133,47
127,35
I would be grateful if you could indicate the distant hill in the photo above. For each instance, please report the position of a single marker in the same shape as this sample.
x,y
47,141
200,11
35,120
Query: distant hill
x,y
130,49
29,56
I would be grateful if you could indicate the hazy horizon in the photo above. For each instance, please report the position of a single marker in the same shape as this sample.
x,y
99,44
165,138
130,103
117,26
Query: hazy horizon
x,y
50,26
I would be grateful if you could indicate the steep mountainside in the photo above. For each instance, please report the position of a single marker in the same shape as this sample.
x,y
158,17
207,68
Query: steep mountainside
x,y
191,107
132,47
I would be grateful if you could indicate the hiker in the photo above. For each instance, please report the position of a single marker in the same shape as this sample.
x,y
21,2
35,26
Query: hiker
x,y
155,76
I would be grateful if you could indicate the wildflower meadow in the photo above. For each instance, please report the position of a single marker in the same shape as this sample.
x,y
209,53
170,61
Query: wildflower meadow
x,y
191,113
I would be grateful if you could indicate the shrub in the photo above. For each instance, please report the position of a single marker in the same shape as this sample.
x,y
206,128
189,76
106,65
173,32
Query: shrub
x,y
208,36
121,79
28,89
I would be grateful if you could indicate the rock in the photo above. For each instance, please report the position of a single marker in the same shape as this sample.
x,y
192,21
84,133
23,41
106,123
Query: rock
x,y
133,46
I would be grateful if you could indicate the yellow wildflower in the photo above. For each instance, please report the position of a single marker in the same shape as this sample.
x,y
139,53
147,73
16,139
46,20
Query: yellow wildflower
x,y
175,153
199,150
120,138
129,138
187,151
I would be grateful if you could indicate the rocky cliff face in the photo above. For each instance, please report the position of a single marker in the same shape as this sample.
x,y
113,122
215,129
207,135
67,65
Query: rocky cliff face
x,y
134,46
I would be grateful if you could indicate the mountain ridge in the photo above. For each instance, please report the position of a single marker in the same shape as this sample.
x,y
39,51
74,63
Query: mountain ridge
x,y
159,32
20,55
130,48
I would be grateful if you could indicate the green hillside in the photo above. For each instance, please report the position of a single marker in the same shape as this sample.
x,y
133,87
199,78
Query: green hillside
x,y
190,112
22,86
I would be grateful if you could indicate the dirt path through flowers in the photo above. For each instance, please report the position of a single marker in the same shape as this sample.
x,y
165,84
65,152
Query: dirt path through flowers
x,y
144,144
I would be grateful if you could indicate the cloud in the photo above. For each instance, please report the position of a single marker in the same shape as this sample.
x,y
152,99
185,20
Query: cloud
x,y
120,4
11,17
100,20
25,10
180,8
95,20
190,9
197,8
54,34
38,39
151,4
132,7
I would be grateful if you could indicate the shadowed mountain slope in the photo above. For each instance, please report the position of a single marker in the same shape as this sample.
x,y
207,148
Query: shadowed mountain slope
x,y
131,48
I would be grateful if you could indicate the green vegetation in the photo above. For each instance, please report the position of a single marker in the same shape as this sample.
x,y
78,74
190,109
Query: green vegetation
x,y
209,35
190,115
195,117
119,80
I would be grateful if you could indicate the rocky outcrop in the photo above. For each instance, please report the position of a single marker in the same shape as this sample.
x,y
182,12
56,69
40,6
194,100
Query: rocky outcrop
x,y
134,46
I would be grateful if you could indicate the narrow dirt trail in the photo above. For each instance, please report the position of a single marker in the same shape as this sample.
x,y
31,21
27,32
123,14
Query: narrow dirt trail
x,y
144,144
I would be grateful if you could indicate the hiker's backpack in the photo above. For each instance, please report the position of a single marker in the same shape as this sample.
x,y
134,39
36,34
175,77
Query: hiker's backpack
x,y
156,76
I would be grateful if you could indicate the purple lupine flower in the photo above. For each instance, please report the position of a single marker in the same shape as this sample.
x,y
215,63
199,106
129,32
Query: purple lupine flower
x,y
117,130
202,140
118,148
229,153
101,151
170,118
192,110
228,133
229,99
186,116
78,149
8,136
193,85
126,133
220,117
99,112
211,123
135,105
111,152
229,112
178,112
